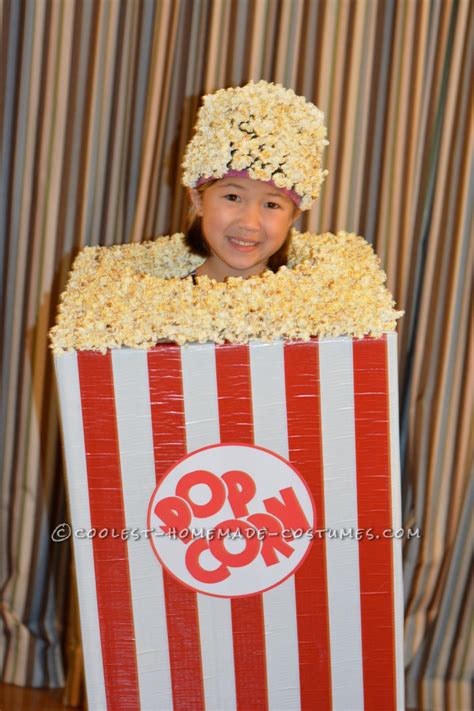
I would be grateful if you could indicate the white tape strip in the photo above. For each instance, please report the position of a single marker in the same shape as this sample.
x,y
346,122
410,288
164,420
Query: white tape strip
x,y
279,604
132,402
396,515
215,617
340,505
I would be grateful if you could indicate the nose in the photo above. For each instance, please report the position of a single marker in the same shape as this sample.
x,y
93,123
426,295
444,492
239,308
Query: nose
x,y
250,217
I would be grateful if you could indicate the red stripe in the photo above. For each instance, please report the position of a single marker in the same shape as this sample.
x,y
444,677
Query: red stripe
x,y
372,431
236,425
303,404
169,444
112,578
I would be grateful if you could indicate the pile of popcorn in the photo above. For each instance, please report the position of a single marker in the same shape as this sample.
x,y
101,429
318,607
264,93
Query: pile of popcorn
x,y
135,295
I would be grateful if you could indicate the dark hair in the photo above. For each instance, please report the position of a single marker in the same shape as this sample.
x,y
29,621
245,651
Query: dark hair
x,y
196,242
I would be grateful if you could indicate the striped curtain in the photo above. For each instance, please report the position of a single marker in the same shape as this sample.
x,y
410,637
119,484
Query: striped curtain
x,y
97,101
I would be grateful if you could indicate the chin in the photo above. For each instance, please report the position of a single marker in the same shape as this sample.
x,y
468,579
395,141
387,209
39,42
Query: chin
x,y
246,267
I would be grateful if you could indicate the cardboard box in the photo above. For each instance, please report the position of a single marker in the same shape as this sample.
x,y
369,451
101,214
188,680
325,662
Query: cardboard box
x,y
172,453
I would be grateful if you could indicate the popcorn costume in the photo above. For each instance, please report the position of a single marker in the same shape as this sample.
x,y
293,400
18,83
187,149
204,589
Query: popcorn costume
x,y
133,295
265,407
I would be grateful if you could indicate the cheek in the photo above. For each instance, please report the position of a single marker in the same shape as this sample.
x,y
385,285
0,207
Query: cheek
x,y
212,227
280,228
212,221
217,216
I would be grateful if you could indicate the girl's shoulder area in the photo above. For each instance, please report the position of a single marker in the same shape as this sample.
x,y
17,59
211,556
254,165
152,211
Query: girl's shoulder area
x,y
310,247
136,294
168,257
163,264
164,256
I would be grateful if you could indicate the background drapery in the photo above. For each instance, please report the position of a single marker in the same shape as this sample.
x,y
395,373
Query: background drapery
x,y
97,101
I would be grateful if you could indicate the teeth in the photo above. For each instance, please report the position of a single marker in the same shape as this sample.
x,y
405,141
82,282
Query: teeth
x,y
241,242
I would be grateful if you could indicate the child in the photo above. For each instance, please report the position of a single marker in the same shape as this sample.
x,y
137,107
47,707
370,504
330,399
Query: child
x,y
253,164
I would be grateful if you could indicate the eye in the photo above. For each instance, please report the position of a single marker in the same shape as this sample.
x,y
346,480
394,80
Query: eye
x,y
273,205
232,197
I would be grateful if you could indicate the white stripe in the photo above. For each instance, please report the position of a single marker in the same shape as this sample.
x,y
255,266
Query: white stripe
x,y
340,507
132,401
67,377
279,604
198,364
396,514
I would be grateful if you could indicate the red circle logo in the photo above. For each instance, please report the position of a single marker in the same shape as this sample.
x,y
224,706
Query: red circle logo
x,y
231,520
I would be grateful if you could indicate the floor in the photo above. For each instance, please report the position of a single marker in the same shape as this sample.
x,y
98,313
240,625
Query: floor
x,y
14,698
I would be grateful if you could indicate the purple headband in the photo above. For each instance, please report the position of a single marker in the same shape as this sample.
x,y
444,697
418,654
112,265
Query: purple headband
x,y
244,174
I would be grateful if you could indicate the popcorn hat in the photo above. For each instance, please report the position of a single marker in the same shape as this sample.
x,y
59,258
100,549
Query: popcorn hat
x,y
262,131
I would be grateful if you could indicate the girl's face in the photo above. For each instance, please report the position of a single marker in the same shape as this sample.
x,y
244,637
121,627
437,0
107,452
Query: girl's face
x,y
244,222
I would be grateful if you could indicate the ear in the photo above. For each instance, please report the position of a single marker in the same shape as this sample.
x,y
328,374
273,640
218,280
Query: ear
x,y
196,198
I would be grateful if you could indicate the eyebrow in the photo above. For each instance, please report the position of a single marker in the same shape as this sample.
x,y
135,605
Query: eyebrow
x,y
241,187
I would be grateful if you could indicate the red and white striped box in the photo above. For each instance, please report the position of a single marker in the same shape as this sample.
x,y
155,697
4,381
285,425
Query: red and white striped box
x,y
328,635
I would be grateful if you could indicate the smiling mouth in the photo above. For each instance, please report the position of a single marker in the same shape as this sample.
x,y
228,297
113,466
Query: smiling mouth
x,y
242,242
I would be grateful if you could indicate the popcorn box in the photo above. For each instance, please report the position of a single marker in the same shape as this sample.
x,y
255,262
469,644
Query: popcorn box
x,y
235,513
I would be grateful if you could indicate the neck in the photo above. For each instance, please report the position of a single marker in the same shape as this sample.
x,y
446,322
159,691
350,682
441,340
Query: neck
x,y
220,271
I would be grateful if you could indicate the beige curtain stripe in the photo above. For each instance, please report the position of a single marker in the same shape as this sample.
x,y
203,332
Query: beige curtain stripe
x,y
164,139
341,78
99,112
237,40
286,65
108,39
258,25
358,71
186,107
416,121
326,82
271,38
215,69
306,83
153,119
307,50
111,224
393,169
361,142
